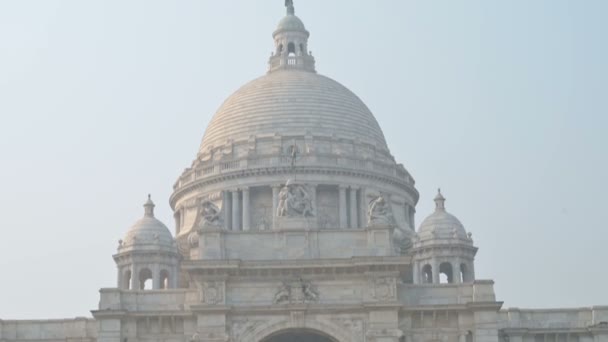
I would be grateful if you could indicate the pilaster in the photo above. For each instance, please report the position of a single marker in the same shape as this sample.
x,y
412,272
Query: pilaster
x,y
246,210
354,215
342,207
235,210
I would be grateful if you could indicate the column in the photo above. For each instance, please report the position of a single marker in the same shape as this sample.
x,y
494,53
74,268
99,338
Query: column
x,y
156,277
275,203
456,272
353,208
416,273
227,208
246,213
342,207
435,271
313,198
235,210
134,278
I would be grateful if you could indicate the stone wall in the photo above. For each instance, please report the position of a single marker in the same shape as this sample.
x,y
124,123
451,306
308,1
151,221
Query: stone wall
x,y
60,330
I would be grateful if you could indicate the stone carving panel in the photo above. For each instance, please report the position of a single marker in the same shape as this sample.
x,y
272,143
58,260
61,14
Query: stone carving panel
x,y
355,326
295,200
294,292
384,289
212,293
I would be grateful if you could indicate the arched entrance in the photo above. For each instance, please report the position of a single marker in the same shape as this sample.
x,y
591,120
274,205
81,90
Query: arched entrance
x,y
298,336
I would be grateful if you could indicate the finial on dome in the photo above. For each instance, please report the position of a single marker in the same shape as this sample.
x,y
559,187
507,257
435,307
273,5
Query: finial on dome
x,y
149,207
439,201
290,8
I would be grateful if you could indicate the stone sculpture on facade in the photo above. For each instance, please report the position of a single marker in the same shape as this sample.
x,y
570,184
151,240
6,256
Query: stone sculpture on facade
x,y
210,215
299,291
294,201
379,212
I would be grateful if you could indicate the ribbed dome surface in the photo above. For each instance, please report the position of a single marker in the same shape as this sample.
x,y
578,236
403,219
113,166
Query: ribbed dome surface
x,y
290,23
441,225
149,230
292,102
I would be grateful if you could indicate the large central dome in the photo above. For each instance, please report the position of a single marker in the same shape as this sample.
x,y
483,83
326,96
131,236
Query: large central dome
x,y
292,102
293,151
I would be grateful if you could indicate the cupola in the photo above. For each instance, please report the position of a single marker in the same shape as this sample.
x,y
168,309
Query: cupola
x,y
291,44
147,257
443,251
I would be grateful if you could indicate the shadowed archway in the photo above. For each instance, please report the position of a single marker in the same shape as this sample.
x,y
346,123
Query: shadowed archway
x,y
298,336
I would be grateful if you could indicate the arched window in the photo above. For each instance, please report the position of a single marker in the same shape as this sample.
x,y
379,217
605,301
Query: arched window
x,y
427,274
302,52
280,49
164,279
145,279
464,274
445,273
291,49
126,280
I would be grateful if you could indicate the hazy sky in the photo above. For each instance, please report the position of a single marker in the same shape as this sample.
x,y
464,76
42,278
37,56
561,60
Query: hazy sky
x,y
504,105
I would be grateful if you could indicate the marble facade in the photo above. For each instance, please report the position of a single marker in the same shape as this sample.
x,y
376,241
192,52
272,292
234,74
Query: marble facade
x,y
295,223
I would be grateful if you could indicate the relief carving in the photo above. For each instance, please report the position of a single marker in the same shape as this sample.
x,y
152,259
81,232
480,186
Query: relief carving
x,y
294,292
355,326
384,289
294,201
212,293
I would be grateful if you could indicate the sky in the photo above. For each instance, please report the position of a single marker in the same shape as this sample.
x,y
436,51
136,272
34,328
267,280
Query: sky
x,y
502,104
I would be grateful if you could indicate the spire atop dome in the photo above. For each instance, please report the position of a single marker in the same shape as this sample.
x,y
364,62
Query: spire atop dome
x,y
439,201
291,42
290,9
149,207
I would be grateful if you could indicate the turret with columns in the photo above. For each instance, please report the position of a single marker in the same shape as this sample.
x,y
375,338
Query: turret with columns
x,y
443,247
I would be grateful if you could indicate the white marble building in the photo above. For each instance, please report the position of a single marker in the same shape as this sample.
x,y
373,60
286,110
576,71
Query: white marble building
x,y
295,223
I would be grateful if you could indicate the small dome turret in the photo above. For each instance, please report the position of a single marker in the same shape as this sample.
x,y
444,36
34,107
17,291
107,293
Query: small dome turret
x,y
148,232
443,251
147,257
291,42
441,224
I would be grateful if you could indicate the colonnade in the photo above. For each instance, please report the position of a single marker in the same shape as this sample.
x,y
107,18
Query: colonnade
x,y
238,213
456,273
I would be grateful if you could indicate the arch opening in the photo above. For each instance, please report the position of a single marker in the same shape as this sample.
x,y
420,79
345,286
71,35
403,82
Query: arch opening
x,y
291,49
446,276
427,274
145,279
299,336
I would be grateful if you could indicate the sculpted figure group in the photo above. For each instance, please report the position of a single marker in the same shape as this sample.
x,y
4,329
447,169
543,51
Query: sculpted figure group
x,y
294,201
379,212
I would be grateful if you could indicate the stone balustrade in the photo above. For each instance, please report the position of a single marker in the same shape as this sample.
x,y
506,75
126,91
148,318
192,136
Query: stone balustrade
x,y
545,319
209,169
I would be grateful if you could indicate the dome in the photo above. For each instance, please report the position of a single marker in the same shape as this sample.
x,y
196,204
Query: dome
x,y
441,224
290,23
148,231
292,102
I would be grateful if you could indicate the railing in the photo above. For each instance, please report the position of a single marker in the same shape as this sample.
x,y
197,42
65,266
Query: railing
x,y
311,161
